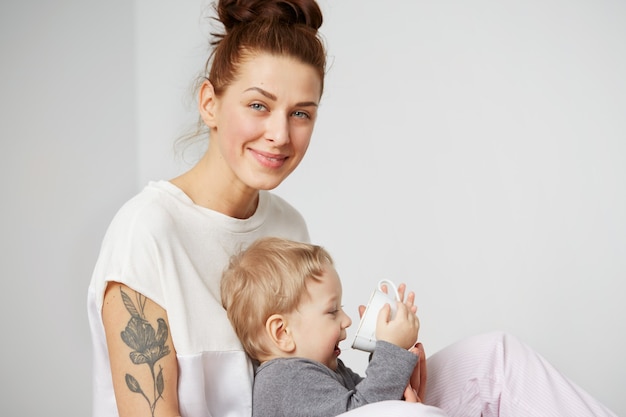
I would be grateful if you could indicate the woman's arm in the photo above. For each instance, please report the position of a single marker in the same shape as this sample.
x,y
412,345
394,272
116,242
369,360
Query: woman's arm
x,y
416,389
143,361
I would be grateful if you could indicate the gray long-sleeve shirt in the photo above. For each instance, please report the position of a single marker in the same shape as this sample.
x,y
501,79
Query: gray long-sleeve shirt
x,y
292,387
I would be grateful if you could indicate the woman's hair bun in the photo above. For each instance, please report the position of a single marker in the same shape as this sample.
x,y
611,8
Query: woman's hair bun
x,y
234,12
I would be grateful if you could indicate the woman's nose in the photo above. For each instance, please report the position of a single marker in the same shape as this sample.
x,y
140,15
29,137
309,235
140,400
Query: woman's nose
x,y
277,129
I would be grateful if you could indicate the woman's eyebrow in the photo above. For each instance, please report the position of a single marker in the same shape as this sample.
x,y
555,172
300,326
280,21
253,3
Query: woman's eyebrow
x,y
264,92
274,98
307,104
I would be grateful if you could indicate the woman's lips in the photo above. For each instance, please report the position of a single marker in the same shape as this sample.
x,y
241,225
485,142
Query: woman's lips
x,y
269,160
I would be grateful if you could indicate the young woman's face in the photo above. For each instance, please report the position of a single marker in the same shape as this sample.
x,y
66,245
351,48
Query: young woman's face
x,y
319,323
263,122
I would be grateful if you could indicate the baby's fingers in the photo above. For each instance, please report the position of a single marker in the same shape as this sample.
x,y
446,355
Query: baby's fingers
x,y
401,291
410,301
384,314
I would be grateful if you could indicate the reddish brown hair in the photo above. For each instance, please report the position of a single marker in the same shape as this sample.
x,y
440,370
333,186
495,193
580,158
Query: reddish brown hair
x,y
278,27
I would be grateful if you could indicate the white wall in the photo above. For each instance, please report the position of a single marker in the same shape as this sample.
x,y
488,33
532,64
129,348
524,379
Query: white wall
x,y
476,150
68,159
172,48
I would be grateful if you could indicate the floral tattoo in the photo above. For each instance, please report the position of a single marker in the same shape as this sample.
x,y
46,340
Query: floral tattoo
x,y
148,347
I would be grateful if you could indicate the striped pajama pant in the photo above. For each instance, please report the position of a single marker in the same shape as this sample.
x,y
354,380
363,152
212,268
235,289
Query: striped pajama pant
x,y
488,376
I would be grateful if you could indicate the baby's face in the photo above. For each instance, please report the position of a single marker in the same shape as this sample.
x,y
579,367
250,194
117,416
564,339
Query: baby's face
x,y
319,323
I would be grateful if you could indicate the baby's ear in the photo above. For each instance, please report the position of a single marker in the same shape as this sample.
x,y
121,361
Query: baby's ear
x,y
280,336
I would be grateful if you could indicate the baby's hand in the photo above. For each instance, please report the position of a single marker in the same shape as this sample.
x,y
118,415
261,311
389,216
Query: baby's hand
x,y
403,329
410,298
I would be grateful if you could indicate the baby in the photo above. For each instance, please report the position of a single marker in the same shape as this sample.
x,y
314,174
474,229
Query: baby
x,y
283,299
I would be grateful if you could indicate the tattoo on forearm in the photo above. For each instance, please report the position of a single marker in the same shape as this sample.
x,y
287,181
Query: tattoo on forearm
x,y
148,347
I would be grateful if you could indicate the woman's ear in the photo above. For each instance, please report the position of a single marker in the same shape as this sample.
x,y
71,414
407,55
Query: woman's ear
x,y
207,103
281,337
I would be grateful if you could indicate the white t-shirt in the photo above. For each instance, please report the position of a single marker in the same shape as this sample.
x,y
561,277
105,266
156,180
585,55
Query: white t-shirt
x,y
172,251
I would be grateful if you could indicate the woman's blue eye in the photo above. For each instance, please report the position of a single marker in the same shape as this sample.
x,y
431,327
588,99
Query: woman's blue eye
x,y
301,115
257,106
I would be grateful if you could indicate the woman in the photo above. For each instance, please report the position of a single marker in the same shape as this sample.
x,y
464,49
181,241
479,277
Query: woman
x,y
156,282
163,345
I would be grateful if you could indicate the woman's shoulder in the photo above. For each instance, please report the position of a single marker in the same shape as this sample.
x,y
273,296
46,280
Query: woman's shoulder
x,y
279,205
276,202
156,195
280,218
156,202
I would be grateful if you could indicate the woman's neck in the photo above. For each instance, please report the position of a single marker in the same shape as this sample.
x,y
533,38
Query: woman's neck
x,y
209,188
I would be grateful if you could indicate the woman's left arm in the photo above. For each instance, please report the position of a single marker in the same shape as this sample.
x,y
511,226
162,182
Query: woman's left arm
x,y
416,389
